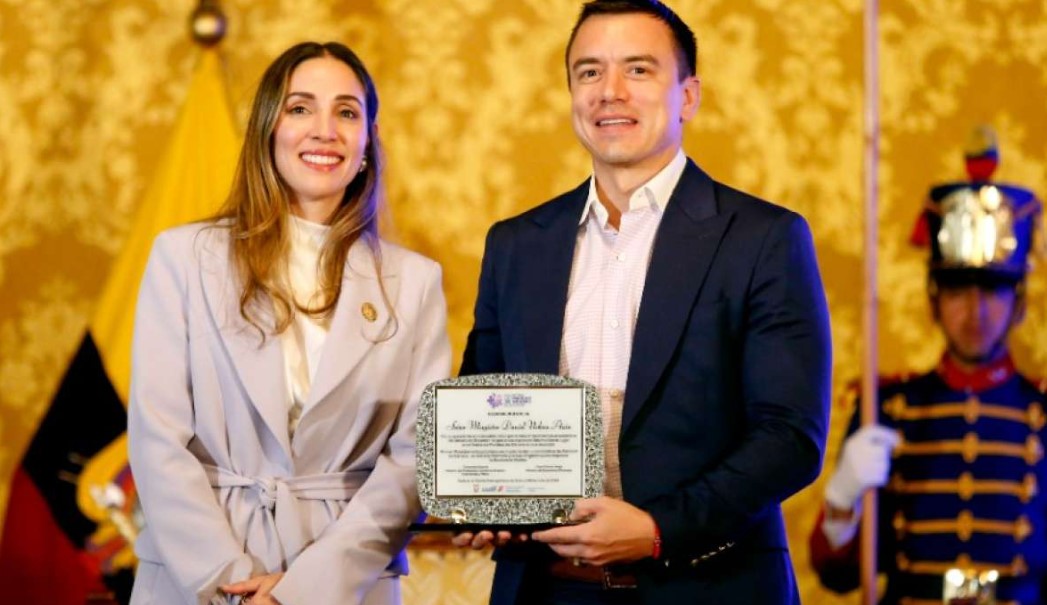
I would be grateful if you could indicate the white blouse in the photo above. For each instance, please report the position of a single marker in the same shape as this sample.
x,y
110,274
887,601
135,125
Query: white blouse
x,y
304,339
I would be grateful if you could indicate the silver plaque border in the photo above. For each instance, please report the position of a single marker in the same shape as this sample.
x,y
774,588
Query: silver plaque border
x,y
507,510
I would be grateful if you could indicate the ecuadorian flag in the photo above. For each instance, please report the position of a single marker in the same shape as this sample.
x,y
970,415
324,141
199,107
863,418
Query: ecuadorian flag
x,y
70,517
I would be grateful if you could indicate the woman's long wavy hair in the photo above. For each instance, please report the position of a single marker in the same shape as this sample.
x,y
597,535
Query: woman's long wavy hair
x,y
257,211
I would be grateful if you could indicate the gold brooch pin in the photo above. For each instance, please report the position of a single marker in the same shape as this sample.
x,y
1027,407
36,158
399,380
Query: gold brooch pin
x,y
368,311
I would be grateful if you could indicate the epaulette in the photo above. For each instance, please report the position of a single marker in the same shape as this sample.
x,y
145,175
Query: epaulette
x,y
1037,382
894,406
893,379
852,389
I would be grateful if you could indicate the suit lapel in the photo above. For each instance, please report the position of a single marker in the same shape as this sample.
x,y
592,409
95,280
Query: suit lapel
x,y
259,365
684,247
361,319
545,274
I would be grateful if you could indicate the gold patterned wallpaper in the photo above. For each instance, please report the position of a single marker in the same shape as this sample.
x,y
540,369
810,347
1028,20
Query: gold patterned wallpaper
x,y
474,118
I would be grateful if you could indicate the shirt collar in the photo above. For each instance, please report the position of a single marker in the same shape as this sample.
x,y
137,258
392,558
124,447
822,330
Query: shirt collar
x,y
979,379
655,193
307,233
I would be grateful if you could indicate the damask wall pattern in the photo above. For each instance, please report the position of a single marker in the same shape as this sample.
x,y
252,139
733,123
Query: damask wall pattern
x,y
474,119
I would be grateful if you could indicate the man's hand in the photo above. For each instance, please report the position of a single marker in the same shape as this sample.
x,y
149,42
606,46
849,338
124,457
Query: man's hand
x,y
484,539
255,591
864,464
613,531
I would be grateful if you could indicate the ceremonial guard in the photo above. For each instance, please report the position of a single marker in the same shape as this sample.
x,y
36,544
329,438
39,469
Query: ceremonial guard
x,y
957,453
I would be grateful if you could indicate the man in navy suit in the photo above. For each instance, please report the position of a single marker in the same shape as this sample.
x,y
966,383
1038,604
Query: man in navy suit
x,y
696,310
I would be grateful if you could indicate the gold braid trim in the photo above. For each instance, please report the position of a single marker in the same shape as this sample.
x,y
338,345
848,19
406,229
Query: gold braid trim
x,y
908,601
964,526
966,487
970,447
1016,569
897,407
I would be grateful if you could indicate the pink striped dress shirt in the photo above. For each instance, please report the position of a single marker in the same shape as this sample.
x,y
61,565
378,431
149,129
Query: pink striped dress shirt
x,y
603,299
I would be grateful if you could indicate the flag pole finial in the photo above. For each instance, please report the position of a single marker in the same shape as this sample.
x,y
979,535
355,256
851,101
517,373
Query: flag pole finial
x,y
207,23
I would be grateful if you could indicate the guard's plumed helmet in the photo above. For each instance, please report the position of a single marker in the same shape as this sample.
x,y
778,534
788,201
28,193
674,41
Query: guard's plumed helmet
x,y
978,231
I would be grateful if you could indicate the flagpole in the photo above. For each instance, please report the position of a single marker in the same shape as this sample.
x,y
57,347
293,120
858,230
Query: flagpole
x,y
870,371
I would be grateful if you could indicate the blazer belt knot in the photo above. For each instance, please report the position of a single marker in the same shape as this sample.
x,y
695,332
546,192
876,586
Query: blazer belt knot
x,y
280,496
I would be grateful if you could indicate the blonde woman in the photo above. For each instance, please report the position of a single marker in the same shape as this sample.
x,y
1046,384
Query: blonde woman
x,y
279,354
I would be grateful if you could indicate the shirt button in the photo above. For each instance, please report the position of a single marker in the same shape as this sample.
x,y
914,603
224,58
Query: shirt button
x,y
616,394
614,323
619,257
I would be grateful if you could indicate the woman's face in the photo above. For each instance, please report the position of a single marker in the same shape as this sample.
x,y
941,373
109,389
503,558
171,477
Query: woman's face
x,y
321,135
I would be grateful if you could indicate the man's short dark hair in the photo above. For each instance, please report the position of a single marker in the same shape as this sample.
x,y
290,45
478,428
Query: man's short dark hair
x,y
683,37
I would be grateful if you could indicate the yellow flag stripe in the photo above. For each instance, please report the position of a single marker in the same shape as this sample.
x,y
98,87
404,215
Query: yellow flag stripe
x,y
191,181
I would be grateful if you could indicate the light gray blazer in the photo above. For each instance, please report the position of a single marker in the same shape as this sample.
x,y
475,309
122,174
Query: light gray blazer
x,y
226,492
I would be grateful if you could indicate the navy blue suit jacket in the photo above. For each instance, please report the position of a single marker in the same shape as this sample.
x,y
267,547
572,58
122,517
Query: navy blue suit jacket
x,y
727,398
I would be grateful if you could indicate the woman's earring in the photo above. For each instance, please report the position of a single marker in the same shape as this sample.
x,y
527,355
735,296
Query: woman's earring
x,y
363,164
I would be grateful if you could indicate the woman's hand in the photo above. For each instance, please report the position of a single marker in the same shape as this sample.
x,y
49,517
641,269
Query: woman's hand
x,y
255,590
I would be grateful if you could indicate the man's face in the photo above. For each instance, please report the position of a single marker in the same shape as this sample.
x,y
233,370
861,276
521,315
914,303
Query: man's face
x,y
976,320
627,100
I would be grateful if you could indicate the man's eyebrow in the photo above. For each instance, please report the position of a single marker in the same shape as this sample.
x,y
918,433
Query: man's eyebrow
x,y
642,59
586,61
583,62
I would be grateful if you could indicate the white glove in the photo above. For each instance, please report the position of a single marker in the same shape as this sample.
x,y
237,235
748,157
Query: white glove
x,y
864,464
